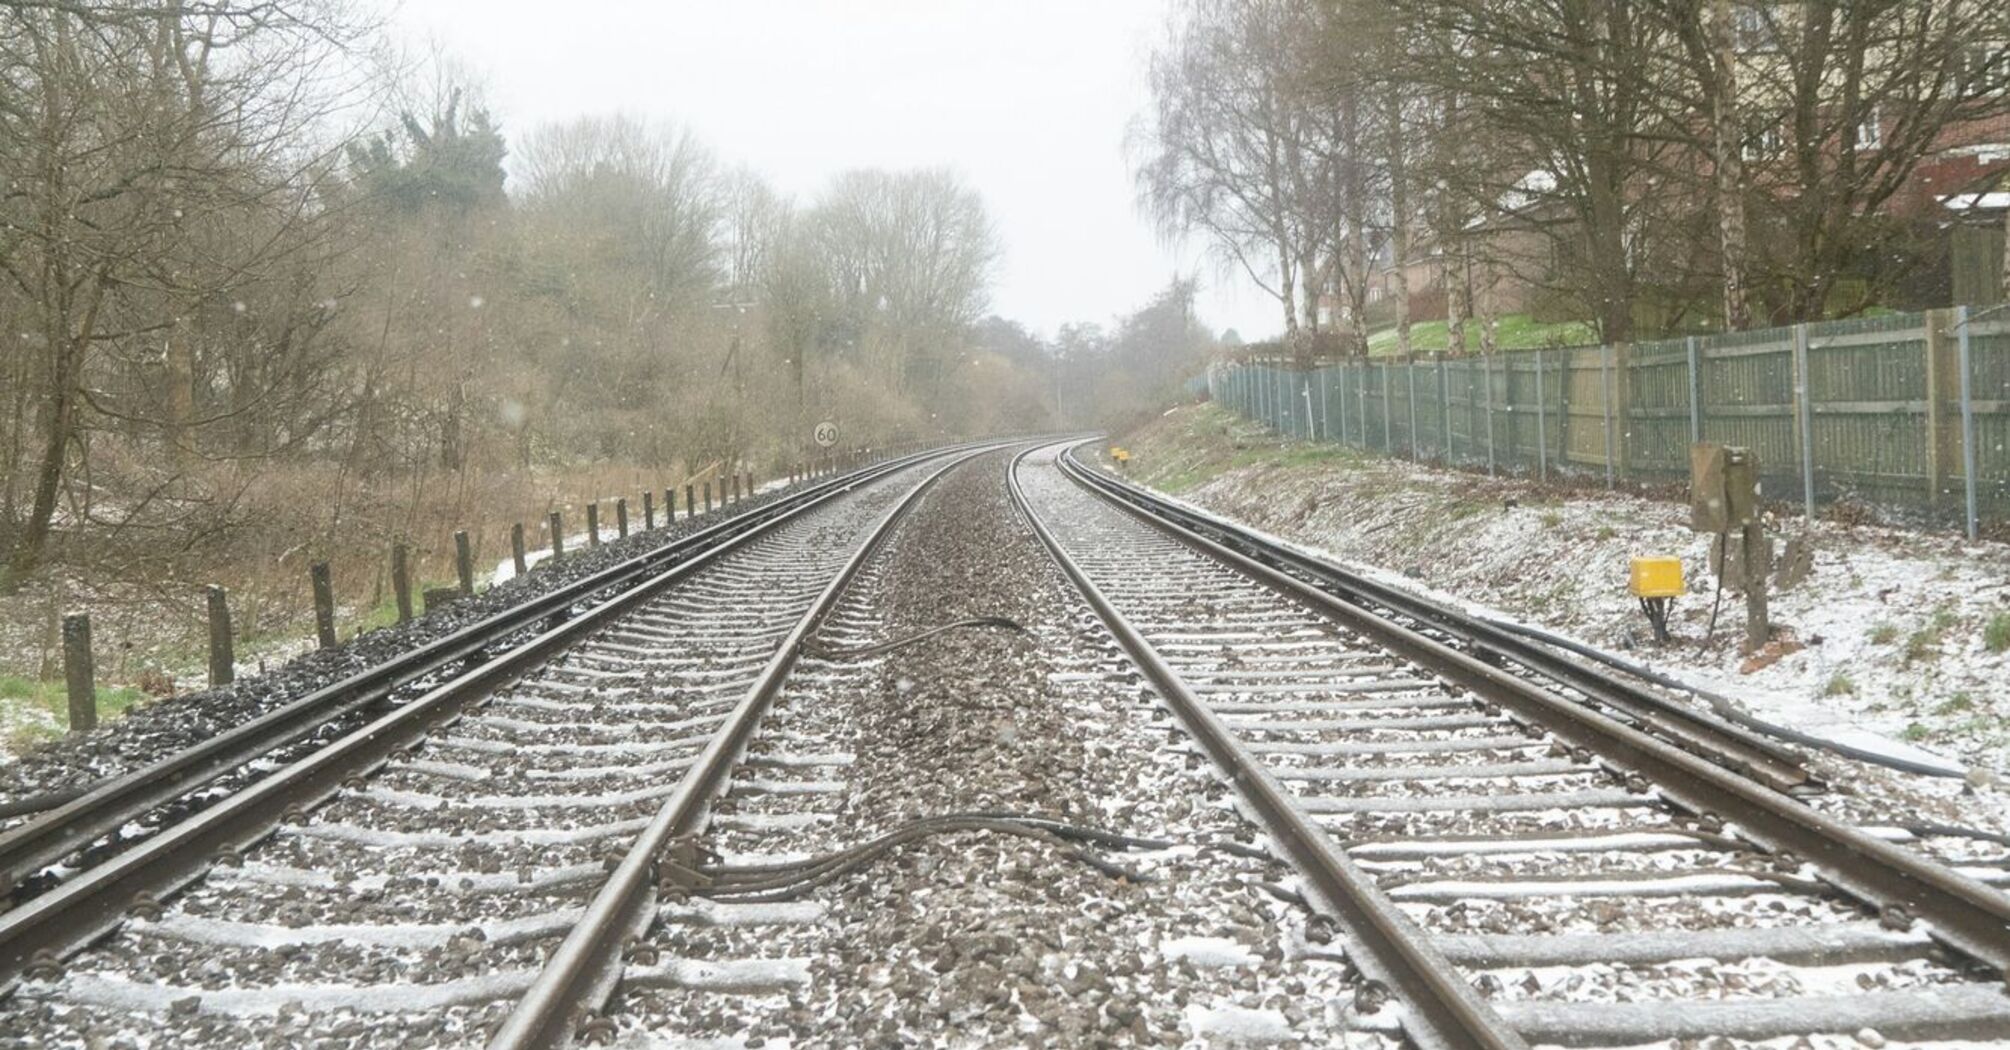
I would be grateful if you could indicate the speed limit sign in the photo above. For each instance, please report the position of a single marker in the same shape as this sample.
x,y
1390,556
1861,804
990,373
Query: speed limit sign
x,y
826,434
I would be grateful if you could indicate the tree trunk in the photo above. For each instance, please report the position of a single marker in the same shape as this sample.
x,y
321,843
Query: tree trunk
x,y
59,428
1727,142
1458,303
1399,222
180,401
1355,248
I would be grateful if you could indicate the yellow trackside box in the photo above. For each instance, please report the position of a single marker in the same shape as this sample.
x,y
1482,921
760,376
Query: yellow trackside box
x,y
1121,455
1656,578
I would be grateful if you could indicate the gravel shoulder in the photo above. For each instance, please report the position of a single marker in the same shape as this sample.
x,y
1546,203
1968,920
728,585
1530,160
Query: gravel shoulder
x,y
980,939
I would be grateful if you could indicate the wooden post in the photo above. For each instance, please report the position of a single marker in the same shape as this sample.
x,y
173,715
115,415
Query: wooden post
x,y
670,506
708,496
690,500
593,524
1757,566
324,604
736,486
222,658
648,510
516,552
557,538
464,562
621,517
78,673
401,581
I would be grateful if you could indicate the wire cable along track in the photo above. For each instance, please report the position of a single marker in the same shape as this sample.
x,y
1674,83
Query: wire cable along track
x,y
1513,860
408,879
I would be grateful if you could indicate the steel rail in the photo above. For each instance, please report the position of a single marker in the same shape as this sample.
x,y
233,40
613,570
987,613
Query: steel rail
x,y
102,809
1443,1010
581,973
1700,732
93,902
1960,912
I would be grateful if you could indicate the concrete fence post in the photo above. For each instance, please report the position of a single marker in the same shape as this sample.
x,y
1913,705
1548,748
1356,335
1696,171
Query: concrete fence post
x,y
464,562
593,523
708,496
690,500
648,510
222,655
401,580
557,538
80,673
621,517
519,558
324,604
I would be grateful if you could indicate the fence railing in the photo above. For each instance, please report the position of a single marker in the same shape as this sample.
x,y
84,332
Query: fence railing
x,y
1906,412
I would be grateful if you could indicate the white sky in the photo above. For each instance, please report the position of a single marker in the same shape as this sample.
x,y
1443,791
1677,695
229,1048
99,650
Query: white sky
x,y
1029,100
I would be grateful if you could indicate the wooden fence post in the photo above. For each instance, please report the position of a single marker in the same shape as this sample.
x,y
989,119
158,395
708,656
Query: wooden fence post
x,y
222,657
79,675
670,506
648,510
464,562
518,560
593,523
621,517
401,580
557,538
690,500
324,603
708,495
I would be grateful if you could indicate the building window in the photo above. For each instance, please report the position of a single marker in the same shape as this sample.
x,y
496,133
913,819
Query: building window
x,y
1754,28
1764,143
1870,133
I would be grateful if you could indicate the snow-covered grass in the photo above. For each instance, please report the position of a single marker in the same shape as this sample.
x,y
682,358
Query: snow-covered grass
x,y
1893,634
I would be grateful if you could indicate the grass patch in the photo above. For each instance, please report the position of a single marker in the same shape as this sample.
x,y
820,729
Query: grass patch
x,y
1551,519
385,613
1883,634
1996,633
1839,684
54,698
1955,705
1516,332
1924,644
1915,733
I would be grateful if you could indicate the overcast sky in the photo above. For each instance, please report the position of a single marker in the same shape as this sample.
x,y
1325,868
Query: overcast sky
x,y
1029,100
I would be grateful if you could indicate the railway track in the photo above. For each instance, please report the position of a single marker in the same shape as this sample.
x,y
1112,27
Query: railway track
x,y
407,881
1514,862
889,768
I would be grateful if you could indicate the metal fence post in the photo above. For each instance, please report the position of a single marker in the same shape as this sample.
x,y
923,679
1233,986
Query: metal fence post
x,y
1488,374
1361,401
1968,478
1444,412
1695,394
1606,359
1410,373
1541,420
1805,416
1325,410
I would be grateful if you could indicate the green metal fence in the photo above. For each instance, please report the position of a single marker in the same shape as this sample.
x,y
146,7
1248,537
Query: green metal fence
x,y
1905,412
